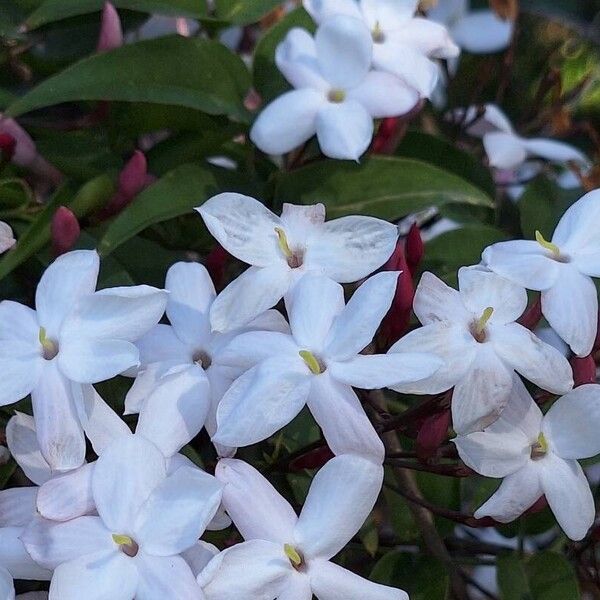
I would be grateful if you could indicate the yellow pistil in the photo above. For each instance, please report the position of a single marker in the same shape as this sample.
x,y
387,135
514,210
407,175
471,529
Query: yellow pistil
x,y
336,96
311,361
283,243
293,555
539,238
122,540
377,34
483,320
50,348
540,447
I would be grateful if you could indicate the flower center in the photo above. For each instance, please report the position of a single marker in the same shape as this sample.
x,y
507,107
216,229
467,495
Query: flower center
x,y
315,365
377,34
296,559
202,359
478,326
126,544
336,96
295,258
49,346
539,448
552,248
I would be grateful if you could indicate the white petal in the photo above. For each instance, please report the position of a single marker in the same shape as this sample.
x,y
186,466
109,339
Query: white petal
x,y
571,308
573,422
7,588
340,415
448,11
554,151
344,129
504,150
392,14
320,10
176,410
165,577
332,582
481,395
538,362
57,426
384,95
23,445
256,569
17,506
254,505
428,37
177,512
352,247
516,494
298,587
18,323
287,122
312,305
493,119
344,51
95,577
161,344
262,401
524,262
21,365
575,232
435,301
67,496
67,280
481,288
51,544
146,381
124,477
568,494
482,32
355,327
191,293
16,559
341,496
199,555
253,292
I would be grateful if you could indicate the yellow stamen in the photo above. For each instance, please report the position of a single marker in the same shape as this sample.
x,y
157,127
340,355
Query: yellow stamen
x,y
483,320
292,554
542,443
540,448
283,243
336,96
311,361
49,346
42,337
122,540
377,34
539,238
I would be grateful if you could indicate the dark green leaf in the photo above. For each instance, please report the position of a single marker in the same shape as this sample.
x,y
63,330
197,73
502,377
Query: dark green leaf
x,y
552,577
242,12
512,578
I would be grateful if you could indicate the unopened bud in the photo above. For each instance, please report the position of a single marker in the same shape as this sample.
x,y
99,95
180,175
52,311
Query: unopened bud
x,y
432,434
19,144
111,32
532,316
65,230
386,138
313,459
415,249
132,179
584,370
215,263
8,145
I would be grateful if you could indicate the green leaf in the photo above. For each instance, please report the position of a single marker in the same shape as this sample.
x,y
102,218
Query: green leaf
x,y
268,80
55,10
242,12
175,70
512,578
175,194
552,577
385,187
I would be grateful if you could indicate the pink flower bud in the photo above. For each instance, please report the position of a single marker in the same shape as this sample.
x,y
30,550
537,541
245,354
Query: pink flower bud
x,y
65,230
111,32
313,459
386,138
415,249
24,151
532,316
7,146
215,263
432,434
584,370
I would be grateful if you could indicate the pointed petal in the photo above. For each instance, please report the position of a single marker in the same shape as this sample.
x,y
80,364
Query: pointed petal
x,y
199,555
21,365
555,151
148,378
435,301
165,577
504,150
254,505
16,559
350,248
17,506
355,327
341,496
18,323
124,477
482,32
575,232
161,344
340,415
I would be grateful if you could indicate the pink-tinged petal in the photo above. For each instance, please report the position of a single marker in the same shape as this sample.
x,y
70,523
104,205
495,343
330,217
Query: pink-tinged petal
x,y
254,505
572,423
320,10
332,582
516,494
165,577
16,559
199,555
341,496
340,415
22,442
17,506
124,477
344,129
254,291
568,494
575,232
571,308
191,293
351,248
482,32
111,32
435,301
161,344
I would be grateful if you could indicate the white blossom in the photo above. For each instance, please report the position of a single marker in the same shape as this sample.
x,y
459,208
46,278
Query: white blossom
x,y
7,238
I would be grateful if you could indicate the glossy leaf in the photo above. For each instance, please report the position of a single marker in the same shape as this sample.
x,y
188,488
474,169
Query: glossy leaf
x,y
242,12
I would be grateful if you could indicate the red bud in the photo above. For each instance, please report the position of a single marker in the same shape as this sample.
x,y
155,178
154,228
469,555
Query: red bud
x,y
538,506
415,249
387,136
532,316
432,434
584,370
8,145
111,32
215,263
313,459
64,229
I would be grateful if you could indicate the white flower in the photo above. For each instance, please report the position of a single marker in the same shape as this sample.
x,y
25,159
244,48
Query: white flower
x,y
7,589
75,336
7,238
474,331
317,365
337,95
289,556
537,455
561,270
402,43
146,519
182,359
283,249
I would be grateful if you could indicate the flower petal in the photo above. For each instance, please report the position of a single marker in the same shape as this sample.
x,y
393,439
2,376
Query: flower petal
x,y
554,151
16,559
392,14
17,506
351,248
165,577
504,150
482,32
21,365
340,415
124,477
435,301
18,323
320,10
575,231
298,587
286,123
572,423
428,37
341,496
161,344
7,588
199,555
254,505
145,383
